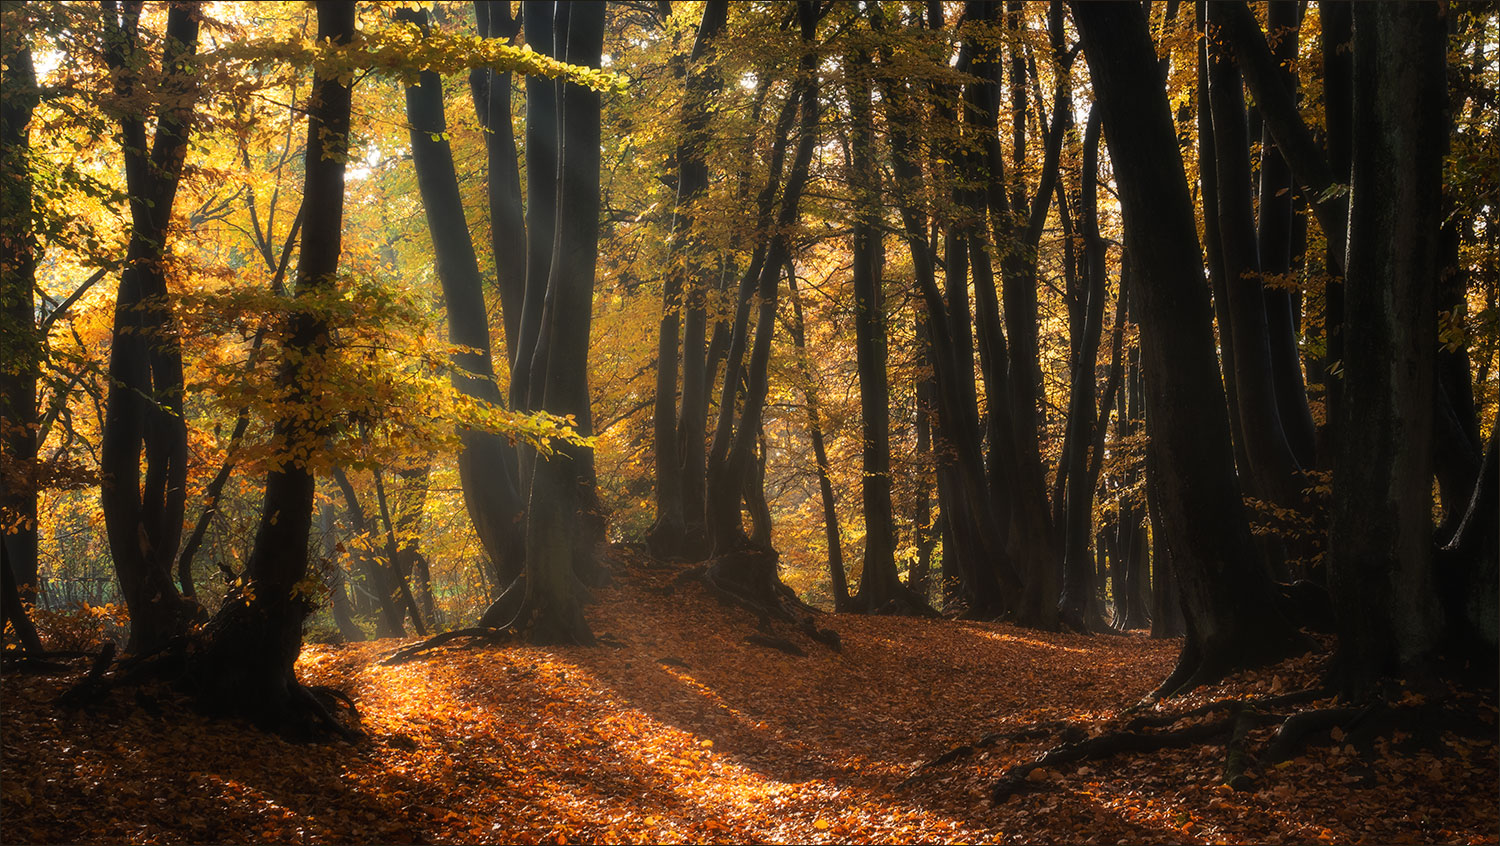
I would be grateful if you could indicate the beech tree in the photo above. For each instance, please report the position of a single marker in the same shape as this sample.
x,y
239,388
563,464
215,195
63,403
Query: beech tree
x,y
250,646
145,405
1232,615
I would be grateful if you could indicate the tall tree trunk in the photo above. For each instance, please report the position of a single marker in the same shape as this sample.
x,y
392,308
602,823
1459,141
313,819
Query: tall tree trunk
x,y
1018,227
559,548
1274,242
1078,606
974,553
1230,604
836,575
738,565
1380,549
543,139
880,586
21,342
490,88
1274,471
486,464
918,578
684,288
246,664
143,516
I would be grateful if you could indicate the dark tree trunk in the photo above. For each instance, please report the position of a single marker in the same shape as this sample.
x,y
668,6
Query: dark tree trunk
x,y
1321,178
1469,578
1336,40
216,485
1274,241
880,586
1230,604
343,615
21,343
543,138
738,565
922,523
1208,182
836,575
1017,227
1078,606
380,579
15,611
1457,448
559,540
684,288
1380,550
246,663
491,89
486,464
1274,471
1166,596
143,516
974,554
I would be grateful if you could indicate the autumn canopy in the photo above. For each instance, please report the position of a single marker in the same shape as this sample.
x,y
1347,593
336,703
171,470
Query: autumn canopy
x,y
768,421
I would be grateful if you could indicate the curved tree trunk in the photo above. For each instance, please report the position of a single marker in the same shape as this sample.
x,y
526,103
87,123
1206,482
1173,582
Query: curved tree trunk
x,y
251,644
143,514
486,465
1230,604
738,565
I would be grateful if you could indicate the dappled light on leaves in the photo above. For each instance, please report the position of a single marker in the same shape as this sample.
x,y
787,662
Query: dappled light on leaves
x,y
684,732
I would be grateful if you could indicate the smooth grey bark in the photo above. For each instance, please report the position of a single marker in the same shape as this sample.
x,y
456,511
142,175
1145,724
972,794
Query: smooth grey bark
x,y
559,540
543,138
491,91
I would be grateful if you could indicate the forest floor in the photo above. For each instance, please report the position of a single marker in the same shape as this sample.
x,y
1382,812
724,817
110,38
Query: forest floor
x,y
682,731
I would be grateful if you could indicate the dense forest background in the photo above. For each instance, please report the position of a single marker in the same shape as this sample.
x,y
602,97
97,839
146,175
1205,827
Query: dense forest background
x,y
759,420
1093,318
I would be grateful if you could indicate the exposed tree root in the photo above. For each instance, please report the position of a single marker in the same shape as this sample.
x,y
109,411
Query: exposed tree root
x,y
481,634
1019,777
1232,719
93,685
769,599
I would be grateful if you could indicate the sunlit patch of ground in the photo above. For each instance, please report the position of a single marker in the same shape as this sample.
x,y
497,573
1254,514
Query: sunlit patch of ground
x,y
684,732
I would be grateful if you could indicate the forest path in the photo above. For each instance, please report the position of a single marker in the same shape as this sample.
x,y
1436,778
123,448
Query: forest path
x,y
685,732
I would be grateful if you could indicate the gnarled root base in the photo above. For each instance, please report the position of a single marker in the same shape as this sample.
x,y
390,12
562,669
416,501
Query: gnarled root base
x,y
239,664
514,614
1228,721
747,578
